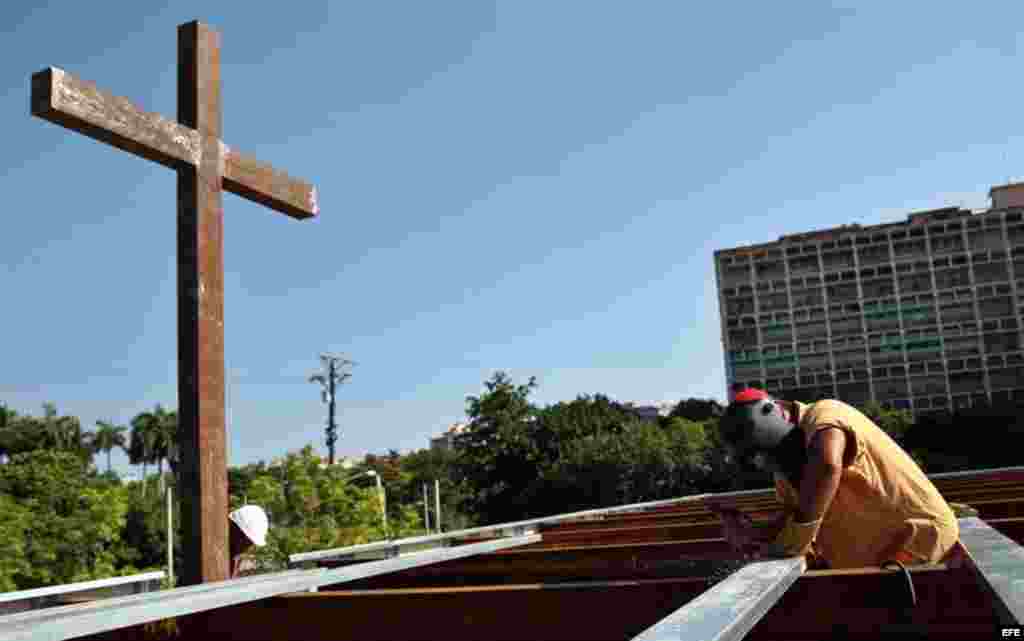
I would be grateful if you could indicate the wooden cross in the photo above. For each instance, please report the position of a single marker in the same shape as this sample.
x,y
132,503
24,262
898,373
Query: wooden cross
x,y
206,166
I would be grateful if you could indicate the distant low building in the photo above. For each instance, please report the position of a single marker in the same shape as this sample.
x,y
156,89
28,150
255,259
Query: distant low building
x,y
345,463
650,411
446,441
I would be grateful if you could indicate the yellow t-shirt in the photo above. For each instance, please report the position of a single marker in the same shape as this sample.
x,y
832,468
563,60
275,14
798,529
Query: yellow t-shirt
x,y
884,505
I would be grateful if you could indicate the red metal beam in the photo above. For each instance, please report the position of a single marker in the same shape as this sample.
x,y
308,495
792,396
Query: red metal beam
x,y
950,606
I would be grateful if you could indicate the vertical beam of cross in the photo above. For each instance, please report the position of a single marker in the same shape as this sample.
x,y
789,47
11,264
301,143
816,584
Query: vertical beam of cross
x,y
201,310
206,167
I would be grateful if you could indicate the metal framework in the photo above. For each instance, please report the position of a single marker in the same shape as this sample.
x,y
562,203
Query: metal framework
x,y
67,622
729,610
599,569
1000,564
517,528
11,602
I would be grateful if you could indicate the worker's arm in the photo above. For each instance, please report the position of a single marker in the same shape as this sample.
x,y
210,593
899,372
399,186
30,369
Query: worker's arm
x,y
821,476
817,489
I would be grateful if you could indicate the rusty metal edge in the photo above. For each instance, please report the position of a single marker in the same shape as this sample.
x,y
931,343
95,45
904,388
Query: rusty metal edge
x,y
521,527
998,562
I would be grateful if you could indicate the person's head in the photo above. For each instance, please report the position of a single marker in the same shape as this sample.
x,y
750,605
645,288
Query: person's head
x,y
249,526
754,428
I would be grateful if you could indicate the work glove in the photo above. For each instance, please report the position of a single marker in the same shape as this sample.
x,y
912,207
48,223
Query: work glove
x,y
794,540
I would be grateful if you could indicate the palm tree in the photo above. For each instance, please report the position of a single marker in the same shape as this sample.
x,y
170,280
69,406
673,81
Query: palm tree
x,y
154,438
9,432
63,433
108,437
140,444
165,437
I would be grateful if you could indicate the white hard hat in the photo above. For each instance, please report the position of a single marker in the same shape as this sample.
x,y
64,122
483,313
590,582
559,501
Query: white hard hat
x,y
253,522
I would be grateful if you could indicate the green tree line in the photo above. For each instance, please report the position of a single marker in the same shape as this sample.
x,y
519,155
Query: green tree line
x,y
67,519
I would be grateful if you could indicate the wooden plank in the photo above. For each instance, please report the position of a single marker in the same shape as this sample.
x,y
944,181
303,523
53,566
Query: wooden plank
x,y
999,562
202,435
729,610
261,183
80,105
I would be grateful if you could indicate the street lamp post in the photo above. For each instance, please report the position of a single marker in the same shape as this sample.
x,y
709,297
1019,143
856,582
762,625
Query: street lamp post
x,y
383,504
380,495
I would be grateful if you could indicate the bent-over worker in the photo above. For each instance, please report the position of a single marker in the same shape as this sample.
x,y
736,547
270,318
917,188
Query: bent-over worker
x,y
248,526
851,496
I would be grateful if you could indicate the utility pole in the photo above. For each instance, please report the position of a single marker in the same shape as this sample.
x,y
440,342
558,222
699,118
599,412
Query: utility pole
x,y
329,379
170,537
426,509
437,503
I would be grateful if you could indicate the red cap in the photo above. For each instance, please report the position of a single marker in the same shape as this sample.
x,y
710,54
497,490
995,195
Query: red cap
x,y
750,395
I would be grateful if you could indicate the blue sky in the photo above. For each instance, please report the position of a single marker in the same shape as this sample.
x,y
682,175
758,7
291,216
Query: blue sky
x,y
529,186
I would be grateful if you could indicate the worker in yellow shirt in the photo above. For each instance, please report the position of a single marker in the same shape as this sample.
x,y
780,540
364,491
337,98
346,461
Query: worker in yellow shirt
x,y
851,496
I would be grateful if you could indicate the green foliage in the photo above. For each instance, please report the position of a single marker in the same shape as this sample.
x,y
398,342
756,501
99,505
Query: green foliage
x,y
145,531
896,423
313,507
516,460
497,456
154,438
607,468
20,434
697,410
424,467
107,438
14,529
66,525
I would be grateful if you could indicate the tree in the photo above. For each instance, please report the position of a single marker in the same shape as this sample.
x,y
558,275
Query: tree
x,y
154,438
14,528
165,439
20,434
108,437
894,422
312,507
606,469
70,522
497,454
693,409
141,441
424,467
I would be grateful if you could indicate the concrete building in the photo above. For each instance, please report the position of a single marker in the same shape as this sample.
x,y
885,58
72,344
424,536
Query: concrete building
x,y
446,441
923,314
650,411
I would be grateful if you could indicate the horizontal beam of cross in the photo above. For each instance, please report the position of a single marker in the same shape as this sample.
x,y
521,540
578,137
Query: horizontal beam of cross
x,y
79,105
